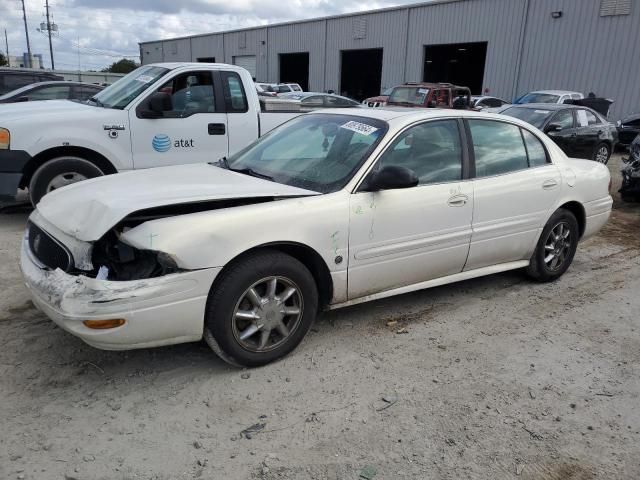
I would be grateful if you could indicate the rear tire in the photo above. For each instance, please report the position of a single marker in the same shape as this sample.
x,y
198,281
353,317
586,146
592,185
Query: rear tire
x,y
260,308
59,172
556,247
602,153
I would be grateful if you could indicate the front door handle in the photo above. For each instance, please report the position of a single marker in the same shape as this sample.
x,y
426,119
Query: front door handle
x,y
458,201
217,128
549,184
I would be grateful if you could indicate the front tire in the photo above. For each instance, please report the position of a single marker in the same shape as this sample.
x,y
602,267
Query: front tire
x,y
556,247
602,153
60,172
260,308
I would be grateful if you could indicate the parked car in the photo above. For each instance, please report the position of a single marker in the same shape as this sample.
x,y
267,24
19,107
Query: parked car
x,y
379,101
13,78
313,100
287,87
579,131
630,188
628,129
245,252
484,102
430,95
548,96
159,114
52,91
266,90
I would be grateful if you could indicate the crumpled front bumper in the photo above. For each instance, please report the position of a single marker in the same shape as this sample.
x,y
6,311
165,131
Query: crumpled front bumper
x,y
158,311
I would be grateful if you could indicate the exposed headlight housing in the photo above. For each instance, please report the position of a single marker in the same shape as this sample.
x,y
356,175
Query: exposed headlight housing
x,y
5,139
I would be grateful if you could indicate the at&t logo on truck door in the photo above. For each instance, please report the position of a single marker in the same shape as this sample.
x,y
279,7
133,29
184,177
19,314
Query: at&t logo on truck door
x,y
162,143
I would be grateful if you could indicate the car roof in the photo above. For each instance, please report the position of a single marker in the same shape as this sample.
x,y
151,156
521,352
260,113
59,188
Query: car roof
x,y
556,92
548,106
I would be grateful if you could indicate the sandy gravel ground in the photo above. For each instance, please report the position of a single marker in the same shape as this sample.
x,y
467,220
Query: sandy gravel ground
x,y
496,378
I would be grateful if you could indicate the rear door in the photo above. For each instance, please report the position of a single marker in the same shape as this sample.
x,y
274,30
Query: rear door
x,y
194,130
588,133
566,136
515,187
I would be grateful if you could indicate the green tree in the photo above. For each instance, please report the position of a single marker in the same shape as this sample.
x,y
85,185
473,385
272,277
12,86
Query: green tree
x,y
3,60
122,66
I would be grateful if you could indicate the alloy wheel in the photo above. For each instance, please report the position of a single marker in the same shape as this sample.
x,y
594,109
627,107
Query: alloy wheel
x,y
602,155
267,314
557,246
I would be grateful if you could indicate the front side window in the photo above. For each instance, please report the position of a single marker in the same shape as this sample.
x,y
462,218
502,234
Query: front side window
x,y
191,93
564,119
128,88
498,148
431,150
319,152
53,92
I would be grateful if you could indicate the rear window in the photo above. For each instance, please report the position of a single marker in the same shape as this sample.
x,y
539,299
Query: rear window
x,y
412,95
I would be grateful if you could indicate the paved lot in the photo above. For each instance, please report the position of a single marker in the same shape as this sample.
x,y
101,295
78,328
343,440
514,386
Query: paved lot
x,y
496,378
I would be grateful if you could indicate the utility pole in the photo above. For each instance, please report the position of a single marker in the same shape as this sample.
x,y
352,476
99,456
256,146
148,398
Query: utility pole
x,y
26,32
53,66
6,43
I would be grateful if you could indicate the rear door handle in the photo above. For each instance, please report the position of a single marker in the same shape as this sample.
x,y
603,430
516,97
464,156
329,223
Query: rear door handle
x,y
217,128
458,201
549,184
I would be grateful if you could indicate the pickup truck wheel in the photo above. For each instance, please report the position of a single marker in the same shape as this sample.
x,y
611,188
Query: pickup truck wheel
x,y
60,172
556,247
260,308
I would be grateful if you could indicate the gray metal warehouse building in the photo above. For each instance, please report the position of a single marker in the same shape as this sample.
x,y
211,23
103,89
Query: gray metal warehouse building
x,y
505,47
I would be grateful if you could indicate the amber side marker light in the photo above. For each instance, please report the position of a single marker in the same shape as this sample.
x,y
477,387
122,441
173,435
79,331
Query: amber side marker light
x,y
104,324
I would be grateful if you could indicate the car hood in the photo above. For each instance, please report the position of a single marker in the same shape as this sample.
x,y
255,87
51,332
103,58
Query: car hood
x,y
88,209
46,108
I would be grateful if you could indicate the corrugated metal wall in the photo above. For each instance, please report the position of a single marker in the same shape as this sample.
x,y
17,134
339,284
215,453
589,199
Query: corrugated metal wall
x,y
527,48
583,51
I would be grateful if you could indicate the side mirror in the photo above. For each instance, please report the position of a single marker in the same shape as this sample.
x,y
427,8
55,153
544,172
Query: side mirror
x,y
391,177
157,104
552,127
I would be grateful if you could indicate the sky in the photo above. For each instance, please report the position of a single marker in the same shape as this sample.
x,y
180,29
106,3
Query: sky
x,y
95,33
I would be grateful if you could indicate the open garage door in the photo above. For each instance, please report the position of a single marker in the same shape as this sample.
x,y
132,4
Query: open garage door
x,y
458,63
248,62
294,68
361,73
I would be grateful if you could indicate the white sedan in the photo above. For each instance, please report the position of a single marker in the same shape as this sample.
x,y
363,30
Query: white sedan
x,y
330,209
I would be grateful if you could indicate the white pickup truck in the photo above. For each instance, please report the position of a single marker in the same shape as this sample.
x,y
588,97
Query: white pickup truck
x,y
160,114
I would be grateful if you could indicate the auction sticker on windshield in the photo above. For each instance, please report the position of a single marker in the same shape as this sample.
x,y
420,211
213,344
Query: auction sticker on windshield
x,y
358,127
144,78
544,112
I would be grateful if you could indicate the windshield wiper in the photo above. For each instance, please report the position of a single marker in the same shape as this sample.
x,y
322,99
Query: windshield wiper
x,y
253,173
96,101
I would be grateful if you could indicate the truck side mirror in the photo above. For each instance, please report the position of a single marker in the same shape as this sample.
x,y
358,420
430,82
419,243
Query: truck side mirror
x,y
552,127
157,104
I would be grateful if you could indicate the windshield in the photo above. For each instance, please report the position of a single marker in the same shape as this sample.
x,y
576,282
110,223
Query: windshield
x,y
125,90
412,95
537,98
319,152
534,116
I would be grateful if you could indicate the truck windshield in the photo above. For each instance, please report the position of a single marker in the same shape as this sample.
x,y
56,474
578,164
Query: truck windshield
x,y
412,95
125,90
319,151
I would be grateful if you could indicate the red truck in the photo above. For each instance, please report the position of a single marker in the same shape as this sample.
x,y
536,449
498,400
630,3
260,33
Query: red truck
x,y
430,95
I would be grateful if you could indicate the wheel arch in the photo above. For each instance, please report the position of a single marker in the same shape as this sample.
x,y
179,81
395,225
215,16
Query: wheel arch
x,y
309,257
578,211
41,158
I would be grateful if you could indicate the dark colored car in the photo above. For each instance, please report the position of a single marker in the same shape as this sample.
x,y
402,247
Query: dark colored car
x,y
52,91
628,129
430,95
12,79
579,131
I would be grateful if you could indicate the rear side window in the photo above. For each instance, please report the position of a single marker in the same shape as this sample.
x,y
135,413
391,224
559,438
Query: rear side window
x,y
234,95
498,148
53,92
535,150
591,118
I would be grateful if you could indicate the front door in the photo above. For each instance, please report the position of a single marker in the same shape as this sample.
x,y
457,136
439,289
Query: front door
x,y
194,129
406,236
566,136
515,188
